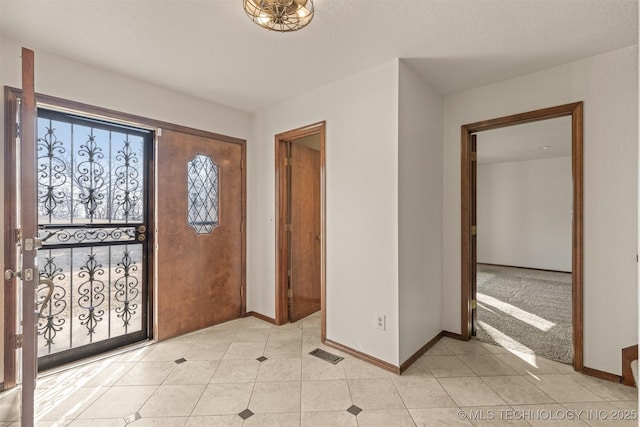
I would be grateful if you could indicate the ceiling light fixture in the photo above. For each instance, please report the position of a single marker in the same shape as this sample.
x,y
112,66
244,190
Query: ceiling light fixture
x,y
280,15
544,147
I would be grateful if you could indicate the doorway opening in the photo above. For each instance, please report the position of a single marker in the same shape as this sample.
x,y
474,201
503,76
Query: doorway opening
x,y
93,217
469,277
523,209
300,224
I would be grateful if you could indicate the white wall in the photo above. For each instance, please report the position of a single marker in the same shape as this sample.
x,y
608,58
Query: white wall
x,y
419,212
524,213
361,115
608,85
74,81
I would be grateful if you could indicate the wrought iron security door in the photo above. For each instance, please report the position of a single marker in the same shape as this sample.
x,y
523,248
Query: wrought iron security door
x,y
92,214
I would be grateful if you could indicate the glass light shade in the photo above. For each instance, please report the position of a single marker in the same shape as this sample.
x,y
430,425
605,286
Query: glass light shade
x,y
280,15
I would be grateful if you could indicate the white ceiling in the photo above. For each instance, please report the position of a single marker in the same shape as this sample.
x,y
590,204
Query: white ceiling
x,y
524,142
210,48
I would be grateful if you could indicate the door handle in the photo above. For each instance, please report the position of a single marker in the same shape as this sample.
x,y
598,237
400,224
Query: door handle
x,y
46,301
9,274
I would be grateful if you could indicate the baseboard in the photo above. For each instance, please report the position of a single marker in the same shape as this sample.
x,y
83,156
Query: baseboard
x,y
454,336
629,354
363,356
262,317
602,375
525,268
2,386
415,356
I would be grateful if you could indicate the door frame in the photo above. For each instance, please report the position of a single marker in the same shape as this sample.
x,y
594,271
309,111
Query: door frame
x,y
10,98
84,110
575,111
281,198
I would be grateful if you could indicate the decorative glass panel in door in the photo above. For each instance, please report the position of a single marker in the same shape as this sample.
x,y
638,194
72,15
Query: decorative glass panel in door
x,y
92,210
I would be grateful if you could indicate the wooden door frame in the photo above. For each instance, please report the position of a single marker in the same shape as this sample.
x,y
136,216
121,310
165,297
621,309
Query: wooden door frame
x,y
10,225
575,111
281,197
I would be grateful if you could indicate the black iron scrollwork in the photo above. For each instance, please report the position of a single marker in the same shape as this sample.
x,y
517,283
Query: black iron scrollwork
x,y
52,323
126,288
91,176
91,294
126,181
52,173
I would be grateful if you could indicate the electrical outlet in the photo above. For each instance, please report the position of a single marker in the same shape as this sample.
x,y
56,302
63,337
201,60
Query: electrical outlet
x,y
381,322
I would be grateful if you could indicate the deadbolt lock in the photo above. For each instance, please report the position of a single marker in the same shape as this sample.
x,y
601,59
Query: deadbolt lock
x,y
141,237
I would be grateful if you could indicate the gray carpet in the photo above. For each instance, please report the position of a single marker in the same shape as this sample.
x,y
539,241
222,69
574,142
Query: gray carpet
x,y
525,310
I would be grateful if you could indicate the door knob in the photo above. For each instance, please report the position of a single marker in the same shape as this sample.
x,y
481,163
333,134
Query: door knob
x,y
9,274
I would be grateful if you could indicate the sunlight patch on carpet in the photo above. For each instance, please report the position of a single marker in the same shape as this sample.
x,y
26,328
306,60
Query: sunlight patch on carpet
x,y
529,318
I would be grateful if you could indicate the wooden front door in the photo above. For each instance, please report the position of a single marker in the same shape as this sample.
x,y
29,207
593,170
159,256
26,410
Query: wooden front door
x,y
200,232
305,231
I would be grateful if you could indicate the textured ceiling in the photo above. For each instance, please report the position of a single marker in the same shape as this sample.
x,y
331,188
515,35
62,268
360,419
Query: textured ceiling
x,y
210,49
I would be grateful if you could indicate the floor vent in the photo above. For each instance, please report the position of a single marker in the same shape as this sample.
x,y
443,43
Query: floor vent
x,y
325,355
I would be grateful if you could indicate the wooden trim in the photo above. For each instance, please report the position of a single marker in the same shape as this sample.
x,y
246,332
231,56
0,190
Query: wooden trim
x,y
454,336
629,354
575,110
243,243
281,197
577,235
282,244
28,214
261,317
364,357
415,356
10,287
601,374
524,268
45,101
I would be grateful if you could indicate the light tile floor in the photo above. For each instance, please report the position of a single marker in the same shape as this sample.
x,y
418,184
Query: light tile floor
x,y
209,377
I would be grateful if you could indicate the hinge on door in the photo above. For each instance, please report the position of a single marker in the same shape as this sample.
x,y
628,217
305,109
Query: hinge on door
x,y
159,132
242,227
289,273
288,227
474,230
19,341
18,235
289,293
287,161
474,304
474,156
241,164
241,291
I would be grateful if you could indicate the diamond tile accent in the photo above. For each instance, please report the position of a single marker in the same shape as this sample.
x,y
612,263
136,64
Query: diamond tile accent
x,y
245,414
354,410
133,417
181,360
261,359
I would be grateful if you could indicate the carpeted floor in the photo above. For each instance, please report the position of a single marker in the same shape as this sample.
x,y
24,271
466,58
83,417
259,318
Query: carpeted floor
x,y
525,310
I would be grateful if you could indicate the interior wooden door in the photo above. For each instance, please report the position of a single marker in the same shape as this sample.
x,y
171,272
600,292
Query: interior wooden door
x,y
305,231
200,232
